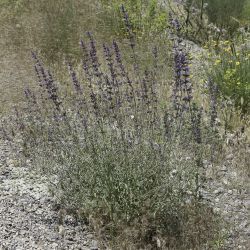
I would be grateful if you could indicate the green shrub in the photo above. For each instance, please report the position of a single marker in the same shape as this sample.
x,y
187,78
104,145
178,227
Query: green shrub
x,y
204,19
246,12
224,12
230,71
146,17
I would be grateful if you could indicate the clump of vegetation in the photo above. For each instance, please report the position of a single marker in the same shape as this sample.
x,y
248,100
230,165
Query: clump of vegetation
x,y
121,155
125,139
147,18
226,14
206,19
230,72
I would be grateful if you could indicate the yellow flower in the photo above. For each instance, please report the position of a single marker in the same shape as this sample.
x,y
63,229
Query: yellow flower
x,y
238,83
217,62
237,63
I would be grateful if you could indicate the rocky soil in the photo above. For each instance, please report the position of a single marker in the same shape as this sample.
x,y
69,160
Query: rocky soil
x,y
227,192
28,219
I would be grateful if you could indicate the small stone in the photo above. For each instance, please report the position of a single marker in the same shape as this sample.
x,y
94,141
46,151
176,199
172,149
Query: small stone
x,y
229,157
205,162
94,245
216,210
224,168
225,181
218,191
61,230
230,191
54,245
233,174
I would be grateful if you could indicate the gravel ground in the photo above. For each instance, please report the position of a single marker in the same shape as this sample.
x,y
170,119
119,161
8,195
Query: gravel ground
x,y
232,202
28,219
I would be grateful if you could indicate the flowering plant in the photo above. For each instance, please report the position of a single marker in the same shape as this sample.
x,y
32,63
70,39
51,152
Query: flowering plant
x,y
230,71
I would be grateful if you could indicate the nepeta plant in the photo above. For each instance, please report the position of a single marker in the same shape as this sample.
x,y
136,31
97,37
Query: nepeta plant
x,y
119,153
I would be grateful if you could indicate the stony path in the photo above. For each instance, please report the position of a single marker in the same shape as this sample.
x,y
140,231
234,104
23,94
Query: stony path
x,y
27,218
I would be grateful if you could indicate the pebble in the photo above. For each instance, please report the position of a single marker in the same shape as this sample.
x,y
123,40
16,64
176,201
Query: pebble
x,y
216,210
218,191
225,181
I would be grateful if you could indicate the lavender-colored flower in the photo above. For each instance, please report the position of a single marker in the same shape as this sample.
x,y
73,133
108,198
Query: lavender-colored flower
x,y
174,23
27,93
110,64
114,79
97,75
30,96
128,27
182,89
93,56
130,96
52,90
40,71
213,92
46,81
86,59
196,123
118,59
74,79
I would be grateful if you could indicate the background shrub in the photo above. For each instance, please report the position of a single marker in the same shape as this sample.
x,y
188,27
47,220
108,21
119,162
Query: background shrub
x,y
204,19
146,17
230,72
226,14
